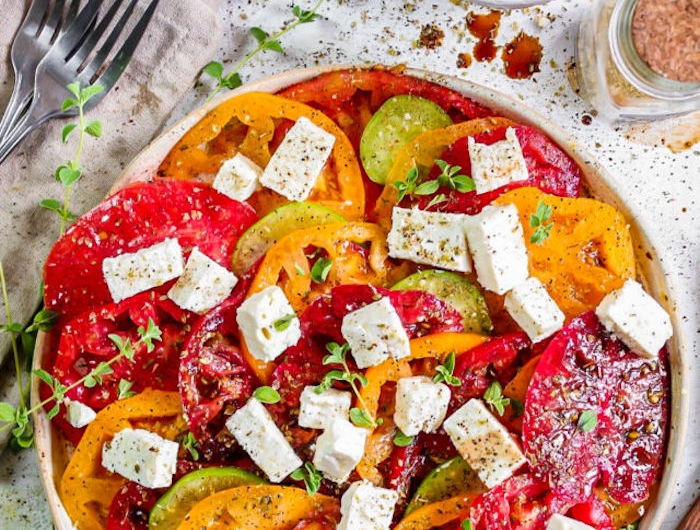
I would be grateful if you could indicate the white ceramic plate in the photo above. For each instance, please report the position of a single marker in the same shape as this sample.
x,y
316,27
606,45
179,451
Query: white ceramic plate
x,y
53,450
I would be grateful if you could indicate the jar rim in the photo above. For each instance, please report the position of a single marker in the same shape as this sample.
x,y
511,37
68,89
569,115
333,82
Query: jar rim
x,y
633,67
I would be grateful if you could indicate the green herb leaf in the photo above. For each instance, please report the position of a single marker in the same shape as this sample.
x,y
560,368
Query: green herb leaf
x,y
361,418
68,176
543,213
43,320
299,270
495,399
283,323
259,34
214,69
402,440
94,129
68,104
7,412
446,370
266,394
51,204
148,335
321,268
311,477
231,81
124,389
463,183
439,198
587,420
427,188
272,45
65,132
44,376
467,525
89,92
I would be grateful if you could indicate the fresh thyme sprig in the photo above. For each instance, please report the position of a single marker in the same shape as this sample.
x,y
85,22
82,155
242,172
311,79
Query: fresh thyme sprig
x,y
70,172
265,42
495,399
311,477
449,177
538,221
17,418
360,416
445,371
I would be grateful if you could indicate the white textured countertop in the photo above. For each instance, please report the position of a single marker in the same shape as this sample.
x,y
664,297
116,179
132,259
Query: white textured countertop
x,y
660,187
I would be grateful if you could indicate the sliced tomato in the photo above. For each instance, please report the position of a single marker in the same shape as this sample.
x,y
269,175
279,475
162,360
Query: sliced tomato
x,y
549,169
130,507
586,370
137,217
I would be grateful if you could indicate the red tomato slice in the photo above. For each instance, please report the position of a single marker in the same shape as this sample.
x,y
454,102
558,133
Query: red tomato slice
x,y
134,218
549,169
130,507
585,369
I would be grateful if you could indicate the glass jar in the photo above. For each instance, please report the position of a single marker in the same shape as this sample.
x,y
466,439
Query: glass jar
x,y
613,76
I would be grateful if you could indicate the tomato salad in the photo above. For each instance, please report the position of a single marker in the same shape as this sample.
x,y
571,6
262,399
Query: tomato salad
x,y
364,302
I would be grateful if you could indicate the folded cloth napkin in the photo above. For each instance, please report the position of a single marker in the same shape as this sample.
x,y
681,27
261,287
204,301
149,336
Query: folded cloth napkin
x,y
179,41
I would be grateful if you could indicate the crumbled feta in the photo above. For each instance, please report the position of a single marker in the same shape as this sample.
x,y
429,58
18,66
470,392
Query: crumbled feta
x,y
562,522
141,456
367,507
430,238
135,272
496,242
421,404
296,164
317,410
533,309
204,284
339,449
268,323
636,319
498,164
484,442
375,332
78,414
258,434
238,178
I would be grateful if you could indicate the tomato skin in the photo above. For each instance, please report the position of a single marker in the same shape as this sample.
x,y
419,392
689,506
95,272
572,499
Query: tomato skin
x,y
130,507
585,368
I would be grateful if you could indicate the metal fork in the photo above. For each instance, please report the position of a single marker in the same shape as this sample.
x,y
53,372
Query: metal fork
x,y
43,23
69,61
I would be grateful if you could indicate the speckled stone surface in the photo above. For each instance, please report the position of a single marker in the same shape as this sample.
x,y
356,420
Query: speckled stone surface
x,y
661,187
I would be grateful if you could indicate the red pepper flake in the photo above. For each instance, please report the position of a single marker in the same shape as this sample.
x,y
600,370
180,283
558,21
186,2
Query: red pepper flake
x,y
431,36
522,56
485,28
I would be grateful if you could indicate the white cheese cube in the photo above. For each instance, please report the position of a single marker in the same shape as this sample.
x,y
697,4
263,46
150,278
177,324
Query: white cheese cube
x,y
204,284
375,332
339,449
498,249
484,442
367,507
421,405
430,238
562,522
78,414
636,319
296,164
534,310
268,323
141,456
135,272
258,434
317,410
238,178
498,164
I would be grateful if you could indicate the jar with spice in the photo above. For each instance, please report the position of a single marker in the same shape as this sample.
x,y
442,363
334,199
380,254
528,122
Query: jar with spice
x,y
640,58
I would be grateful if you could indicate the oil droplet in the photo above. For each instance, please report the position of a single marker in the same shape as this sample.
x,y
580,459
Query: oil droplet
x,y
464,60
522,56
485,28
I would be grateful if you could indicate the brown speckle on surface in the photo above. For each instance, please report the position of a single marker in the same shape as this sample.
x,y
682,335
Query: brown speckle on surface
x,y
431,36
522,56
485,28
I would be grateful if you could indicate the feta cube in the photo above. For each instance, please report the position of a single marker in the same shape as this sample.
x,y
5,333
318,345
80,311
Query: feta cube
x,y
204,284
258,434
268,323
421,404
430,238
135,272
238,178
484,442
141,456
498,164
562,522
78,414
636,319
317,410
339,449
375,332
296,164
496,242
533,309
367,507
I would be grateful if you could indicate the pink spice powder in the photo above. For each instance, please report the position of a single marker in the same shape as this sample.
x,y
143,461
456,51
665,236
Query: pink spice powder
x,y
666,34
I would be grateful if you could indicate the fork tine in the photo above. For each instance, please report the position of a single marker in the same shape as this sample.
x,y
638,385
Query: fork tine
x,y
53,21
70,16
88,45
80,26
110,75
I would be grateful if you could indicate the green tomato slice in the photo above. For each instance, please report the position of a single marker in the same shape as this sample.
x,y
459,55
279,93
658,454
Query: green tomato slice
x,y
454,477
398,121
255,241
174,505
455,289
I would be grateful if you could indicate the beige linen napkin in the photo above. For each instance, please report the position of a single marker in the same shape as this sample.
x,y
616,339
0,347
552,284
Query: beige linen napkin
x,y
180,40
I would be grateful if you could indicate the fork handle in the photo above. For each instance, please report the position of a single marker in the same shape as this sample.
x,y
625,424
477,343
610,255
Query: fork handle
x,y
17,105
23,127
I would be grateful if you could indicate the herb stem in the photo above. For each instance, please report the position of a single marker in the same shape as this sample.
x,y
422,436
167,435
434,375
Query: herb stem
x,y
24,392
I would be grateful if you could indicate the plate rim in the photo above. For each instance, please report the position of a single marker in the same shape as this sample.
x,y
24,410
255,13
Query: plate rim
x,y
658,278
